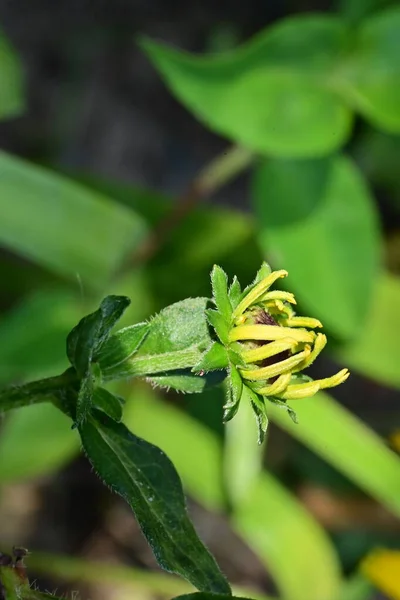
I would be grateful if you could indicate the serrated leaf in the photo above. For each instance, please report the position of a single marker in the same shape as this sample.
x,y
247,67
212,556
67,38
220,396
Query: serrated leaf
x,y
36,226
219,283
122,345
271,94
332,261
230,407
143,475
259,409
220,325
236,383
234,292
292,413
109,403
214,358
86,339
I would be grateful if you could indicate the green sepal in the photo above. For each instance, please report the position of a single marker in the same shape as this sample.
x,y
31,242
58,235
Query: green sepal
x,y
216,357
262,272
259,409
234,389
122,345
220,325
234,292
219,283
282,404
230,407
235,358
108,403
86,338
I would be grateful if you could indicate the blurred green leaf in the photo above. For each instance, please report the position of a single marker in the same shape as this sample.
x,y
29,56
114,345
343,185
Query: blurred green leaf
x,y
318,221
35,441
370,78
203,596
62,225
294,548
242,454
33,335
144,476
376,352
346,443
271,94
355,10
12,92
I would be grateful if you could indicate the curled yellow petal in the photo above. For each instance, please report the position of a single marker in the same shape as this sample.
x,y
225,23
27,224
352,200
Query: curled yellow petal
x,y
257,291
334,380
319,345
302,322
276,369
300,390
278,295
269,333
256,354
277,387
382,568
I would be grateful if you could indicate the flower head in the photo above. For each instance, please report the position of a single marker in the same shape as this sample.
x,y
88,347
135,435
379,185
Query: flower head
x,y
267,345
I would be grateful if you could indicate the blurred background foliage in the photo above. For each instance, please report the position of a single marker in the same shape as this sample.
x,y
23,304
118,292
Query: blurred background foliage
x,y
285,118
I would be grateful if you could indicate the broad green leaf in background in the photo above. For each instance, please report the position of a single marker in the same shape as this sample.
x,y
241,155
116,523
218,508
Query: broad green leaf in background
x,y
376,352
318,221
273,93
356,10
291,544
347,444
33,335
12,100
144,476
35,441
369,78
63,225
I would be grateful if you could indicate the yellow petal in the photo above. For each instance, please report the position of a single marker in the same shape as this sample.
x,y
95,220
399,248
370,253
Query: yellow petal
x,y
319,345
269,333
276,369
278,295
271,349
335,380
257,291
382,568
277,387
302,322
300,390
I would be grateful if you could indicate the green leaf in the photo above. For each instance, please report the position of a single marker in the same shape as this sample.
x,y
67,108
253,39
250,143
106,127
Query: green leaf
x,y
242,454
234,292
109,403
40,209
143,475
219,283
370,78
86,339
273,93
269,519
285,406
215,357
122,345
220,325
258,405
236,383
12,101
318,221
347,444
33,335
376,351
35,441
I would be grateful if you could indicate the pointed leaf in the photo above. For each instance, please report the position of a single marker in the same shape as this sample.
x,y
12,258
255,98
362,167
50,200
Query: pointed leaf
x,y
220,325
215,357
332,261
236,383
259,409
11,87
219,283
122,345
143,475
86,339
234,292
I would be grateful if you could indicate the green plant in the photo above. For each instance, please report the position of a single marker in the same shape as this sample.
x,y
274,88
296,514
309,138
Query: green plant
x,y
288,98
